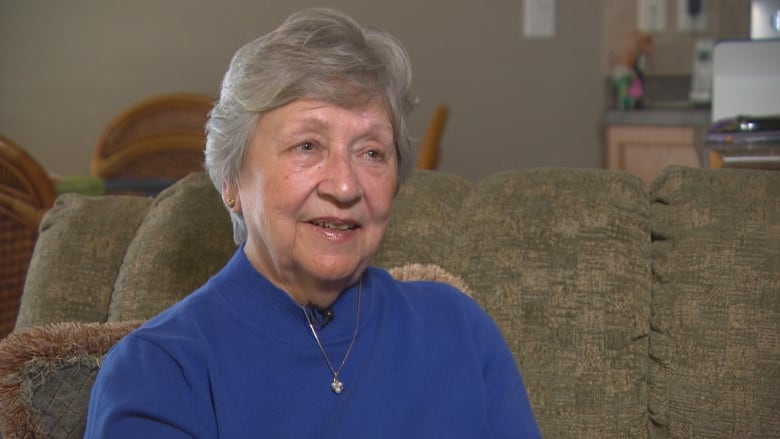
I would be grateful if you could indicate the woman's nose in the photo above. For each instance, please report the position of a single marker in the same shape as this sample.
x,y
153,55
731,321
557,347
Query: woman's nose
x,y
340,180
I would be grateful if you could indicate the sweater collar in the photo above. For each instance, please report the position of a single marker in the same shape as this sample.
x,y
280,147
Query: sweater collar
x,y
264,307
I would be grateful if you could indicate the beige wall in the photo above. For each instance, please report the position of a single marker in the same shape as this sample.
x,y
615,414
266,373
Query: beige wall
x,y
67,67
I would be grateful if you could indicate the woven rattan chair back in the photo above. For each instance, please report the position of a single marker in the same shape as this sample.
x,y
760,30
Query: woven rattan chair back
x,y
161,137
26,193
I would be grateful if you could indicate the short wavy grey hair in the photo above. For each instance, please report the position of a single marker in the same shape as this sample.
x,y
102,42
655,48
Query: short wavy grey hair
x,y
315,54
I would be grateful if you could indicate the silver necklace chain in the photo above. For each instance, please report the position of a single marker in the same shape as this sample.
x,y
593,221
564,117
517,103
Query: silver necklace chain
x,y
337,385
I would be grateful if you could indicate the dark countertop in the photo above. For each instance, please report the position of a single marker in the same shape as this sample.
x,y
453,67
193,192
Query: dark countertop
x,y
666,116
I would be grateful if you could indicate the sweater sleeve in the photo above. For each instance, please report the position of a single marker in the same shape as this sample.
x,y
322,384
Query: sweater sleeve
x,y
143,391
509,410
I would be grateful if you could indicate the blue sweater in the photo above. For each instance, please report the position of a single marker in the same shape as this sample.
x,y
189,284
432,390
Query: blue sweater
x,y
236,359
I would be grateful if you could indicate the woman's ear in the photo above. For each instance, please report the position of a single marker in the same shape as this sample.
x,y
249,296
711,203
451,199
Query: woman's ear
x,y
230,197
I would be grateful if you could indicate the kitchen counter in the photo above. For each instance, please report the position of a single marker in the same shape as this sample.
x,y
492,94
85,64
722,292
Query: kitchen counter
x,y
647,140
667,130
670,115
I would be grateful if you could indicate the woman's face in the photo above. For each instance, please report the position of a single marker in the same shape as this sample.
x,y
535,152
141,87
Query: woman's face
x,y
316,191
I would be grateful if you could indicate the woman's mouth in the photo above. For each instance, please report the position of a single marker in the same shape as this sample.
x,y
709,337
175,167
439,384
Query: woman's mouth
x,y
335,225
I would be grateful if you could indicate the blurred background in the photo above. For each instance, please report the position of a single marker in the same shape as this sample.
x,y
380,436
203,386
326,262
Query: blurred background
x,y
527,82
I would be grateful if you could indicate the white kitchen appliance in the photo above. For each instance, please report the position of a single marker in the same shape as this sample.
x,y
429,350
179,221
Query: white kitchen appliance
x,y
746,78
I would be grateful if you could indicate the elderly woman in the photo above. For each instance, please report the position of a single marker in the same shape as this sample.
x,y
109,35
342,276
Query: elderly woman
x,y
297,336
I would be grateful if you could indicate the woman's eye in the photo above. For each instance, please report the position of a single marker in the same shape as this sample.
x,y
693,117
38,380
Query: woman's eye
x,y
306,146
375,154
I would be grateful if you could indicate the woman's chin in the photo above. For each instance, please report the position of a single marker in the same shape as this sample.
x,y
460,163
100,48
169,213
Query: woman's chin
x,y
338,274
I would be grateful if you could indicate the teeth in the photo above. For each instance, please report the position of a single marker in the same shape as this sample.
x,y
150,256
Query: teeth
x,y
335,226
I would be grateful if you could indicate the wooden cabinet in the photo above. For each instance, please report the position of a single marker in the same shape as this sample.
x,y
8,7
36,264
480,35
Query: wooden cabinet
x,y
645,150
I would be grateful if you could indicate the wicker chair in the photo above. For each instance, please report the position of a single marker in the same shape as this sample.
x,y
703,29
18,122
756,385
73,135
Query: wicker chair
x,y
26,193
428,157
161,137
